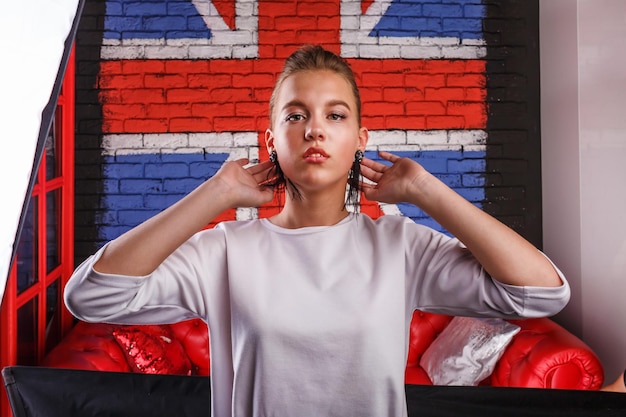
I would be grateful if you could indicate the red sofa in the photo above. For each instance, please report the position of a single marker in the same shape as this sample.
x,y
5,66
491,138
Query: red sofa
x,y
541,355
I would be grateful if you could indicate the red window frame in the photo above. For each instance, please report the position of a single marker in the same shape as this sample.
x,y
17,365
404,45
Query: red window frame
x,y
14,344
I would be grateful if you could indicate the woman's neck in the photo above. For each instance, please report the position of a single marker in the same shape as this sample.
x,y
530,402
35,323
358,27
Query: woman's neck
x,y
306,212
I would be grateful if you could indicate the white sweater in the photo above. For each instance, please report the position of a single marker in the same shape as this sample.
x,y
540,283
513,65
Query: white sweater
x,y
312,321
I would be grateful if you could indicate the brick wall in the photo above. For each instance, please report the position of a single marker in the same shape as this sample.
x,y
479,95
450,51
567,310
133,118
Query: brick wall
x,y
513,174
168,91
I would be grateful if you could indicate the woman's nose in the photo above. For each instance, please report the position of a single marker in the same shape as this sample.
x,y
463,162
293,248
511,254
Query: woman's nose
x,y
315,130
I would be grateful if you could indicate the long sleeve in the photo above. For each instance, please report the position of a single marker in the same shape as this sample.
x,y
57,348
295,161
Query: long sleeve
x,y
443,277
175,291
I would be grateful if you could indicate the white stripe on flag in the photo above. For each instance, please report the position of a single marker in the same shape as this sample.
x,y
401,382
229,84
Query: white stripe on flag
x,y
245,144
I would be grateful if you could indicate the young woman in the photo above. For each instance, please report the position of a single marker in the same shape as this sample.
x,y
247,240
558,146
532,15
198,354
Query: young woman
x,y
309,310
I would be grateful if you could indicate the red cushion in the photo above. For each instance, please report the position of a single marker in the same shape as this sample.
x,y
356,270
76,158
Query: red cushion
x,y
425,327
152,349
416,375
88,346
542,355
194,337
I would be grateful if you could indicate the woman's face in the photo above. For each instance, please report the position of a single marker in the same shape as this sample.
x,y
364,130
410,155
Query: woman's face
x,y
316,130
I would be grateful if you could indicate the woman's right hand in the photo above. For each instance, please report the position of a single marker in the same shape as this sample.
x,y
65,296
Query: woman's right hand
x,y
243,186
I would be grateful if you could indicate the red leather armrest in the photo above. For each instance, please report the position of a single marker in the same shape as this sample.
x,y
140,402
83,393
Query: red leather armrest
x,y
545,355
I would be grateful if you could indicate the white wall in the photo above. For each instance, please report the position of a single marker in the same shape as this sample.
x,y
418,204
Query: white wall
x,y
27,79
583,125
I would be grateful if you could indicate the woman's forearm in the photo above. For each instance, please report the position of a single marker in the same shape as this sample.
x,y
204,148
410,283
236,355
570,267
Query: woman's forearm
x,y
505,255
140,250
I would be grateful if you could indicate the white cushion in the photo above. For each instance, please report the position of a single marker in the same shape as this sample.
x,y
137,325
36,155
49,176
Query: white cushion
x,y
467,350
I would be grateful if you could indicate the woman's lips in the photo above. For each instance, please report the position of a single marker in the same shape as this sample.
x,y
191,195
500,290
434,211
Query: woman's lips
x,y
315,155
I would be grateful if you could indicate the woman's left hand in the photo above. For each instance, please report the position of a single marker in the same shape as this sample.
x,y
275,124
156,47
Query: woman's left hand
x,y
393,183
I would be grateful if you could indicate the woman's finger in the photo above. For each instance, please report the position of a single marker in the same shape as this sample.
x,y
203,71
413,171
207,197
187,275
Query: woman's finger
x,y
389,156
374,165
264,173
370,173
366,186
260,167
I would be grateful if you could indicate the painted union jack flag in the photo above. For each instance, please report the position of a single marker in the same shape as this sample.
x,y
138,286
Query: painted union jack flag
x,y
184,86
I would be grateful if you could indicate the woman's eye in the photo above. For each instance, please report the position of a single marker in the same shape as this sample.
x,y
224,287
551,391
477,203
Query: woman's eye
x,y
336,116
296,117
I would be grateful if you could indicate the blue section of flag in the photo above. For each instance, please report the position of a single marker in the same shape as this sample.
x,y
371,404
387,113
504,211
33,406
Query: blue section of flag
x,y
167,19
438,18
139,186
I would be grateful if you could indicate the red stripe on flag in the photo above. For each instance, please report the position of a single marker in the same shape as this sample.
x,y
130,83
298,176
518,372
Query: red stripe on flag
x,y
365,4
226,9
285,25
153,96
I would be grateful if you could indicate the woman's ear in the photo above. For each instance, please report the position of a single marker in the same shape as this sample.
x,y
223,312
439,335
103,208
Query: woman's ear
x,y
269,140
363,138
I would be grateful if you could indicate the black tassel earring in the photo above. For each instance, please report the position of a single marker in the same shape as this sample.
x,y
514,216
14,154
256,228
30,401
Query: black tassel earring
x,y
358,156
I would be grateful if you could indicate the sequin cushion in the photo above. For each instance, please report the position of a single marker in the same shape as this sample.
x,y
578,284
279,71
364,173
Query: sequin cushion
x,y
152,349
467,350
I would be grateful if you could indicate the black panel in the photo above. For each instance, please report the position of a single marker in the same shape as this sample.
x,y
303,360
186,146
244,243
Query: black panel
x,y
89,162
50,392
513,190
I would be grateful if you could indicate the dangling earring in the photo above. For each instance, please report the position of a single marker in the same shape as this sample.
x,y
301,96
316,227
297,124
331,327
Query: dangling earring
x,y
358,156
273,157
